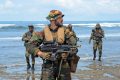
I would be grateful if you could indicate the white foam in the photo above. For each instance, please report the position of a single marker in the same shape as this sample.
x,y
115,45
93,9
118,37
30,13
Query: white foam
x,y
6,25
10,38
106,35
82,25
110,24
93,24
80,36
76,25
40,25
88,58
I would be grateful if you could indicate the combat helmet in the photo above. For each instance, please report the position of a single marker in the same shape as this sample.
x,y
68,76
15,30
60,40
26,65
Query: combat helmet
x,y
97,26
54,14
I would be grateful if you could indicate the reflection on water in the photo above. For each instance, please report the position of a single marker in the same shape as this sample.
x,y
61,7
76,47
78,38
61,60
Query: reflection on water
x,y
30,76
97,65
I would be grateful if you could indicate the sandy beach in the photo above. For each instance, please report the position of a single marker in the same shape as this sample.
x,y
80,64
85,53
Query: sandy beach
x,y
99,72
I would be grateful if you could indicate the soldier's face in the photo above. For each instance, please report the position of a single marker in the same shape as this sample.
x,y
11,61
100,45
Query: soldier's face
x,y
59,21
97,30
31,29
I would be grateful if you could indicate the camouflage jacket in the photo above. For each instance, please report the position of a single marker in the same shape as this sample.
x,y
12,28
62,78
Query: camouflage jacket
x,y
26,38
97,36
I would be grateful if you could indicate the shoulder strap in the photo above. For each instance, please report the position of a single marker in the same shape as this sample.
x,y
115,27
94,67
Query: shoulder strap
x,y
61,34
47,34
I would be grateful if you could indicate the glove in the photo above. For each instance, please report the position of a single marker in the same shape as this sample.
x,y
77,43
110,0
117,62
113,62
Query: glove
x,y
71,33
67,31
64,56
46,56
74,50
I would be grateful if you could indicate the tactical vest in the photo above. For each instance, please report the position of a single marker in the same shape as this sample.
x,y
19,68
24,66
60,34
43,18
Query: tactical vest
x,y
97,37
58,36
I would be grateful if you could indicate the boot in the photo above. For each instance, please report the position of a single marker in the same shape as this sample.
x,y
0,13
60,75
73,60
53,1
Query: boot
x,y
32,68
94,55
100,54
99,59
28,62
28,66
33,62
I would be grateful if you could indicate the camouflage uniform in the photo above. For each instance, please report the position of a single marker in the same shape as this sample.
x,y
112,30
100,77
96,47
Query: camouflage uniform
x,y
50,70
97,35
26,38
71,38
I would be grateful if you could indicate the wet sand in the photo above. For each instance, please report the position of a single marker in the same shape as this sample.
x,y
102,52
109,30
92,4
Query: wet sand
x,y
104,70
99,72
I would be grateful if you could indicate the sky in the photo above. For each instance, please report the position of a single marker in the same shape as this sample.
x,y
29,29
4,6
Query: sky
x,y
74,10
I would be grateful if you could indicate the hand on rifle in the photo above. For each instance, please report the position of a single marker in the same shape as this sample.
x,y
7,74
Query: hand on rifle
x,y
44,55
64,56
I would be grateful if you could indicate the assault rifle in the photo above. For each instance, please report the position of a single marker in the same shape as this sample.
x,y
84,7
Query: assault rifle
x,y
54,49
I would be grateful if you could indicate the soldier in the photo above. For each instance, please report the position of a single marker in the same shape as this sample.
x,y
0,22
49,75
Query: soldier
x,y
97,35
26,38
55,32
71,36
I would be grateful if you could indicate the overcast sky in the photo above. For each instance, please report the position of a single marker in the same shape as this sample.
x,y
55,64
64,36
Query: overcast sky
x,y
74,10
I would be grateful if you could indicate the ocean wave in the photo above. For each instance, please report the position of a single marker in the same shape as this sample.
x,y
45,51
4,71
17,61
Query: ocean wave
x,y
7,25
75,25
110,24
86,25
10,38
38,63
90,57
106,35
82,25
93,24
14,26
80,36
39,24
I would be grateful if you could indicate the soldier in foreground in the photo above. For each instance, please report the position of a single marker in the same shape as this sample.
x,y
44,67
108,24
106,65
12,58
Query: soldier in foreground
x,y
59,56
26,38
97,35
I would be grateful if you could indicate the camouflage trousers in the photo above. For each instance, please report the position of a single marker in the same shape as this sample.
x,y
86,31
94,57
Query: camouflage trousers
x,y
51,71
27,55
97,46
